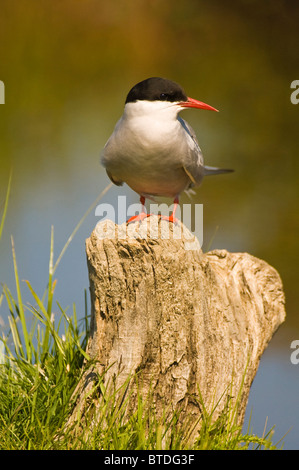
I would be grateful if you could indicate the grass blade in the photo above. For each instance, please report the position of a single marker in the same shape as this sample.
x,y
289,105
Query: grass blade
x,y
20,306
5,205
50,284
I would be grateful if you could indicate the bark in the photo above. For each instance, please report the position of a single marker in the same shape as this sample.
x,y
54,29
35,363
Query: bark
x,y
193,325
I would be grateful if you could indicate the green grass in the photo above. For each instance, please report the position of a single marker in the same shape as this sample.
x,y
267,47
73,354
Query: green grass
x,y
42,358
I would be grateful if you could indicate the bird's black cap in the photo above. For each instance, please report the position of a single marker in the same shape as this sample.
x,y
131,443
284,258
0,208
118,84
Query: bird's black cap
x,y
156,89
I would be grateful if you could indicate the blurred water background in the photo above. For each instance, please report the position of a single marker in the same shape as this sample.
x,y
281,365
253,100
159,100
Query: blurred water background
x,y
67,67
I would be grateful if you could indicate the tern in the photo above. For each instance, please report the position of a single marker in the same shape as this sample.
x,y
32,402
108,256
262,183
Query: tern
x,y
152,149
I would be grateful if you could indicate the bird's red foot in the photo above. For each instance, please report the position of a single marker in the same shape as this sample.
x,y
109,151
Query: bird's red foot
x,y
170,218
142,215
138,218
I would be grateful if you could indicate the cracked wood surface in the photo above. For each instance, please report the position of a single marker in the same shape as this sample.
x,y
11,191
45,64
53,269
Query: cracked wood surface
x,y
181,318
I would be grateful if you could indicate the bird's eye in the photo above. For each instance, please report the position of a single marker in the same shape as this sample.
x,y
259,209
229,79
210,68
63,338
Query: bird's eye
x,y
164,96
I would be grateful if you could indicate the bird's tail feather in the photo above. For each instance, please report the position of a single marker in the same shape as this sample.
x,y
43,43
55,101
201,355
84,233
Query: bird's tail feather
x,y
211,170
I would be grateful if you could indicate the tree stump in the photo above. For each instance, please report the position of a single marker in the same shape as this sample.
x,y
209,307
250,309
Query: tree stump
x,y
184,320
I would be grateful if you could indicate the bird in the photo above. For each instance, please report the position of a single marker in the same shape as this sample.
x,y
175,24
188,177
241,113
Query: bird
x,y
152,149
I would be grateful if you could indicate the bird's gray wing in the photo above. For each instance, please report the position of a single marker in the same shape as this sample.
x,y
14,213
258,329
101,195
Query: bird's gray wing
x,y
104,162
118,183
194,166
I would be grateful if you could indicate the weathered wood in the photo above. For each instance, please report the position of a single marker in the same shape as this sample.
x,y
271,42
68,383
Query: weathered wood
x,y
184,319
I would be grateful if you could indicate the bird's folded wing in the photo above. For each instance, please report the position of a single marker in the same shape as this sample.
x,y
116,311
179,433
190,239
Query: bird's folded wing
x,y
118,183
193,164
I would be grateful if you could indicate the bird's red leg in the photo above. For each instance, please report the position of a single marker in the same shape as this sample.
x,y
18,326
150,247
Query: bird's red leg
x,y
140,217
172,218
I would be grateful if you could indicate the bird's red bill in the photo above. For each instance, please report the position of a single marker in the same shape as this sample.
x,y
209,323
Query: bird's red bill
x,y
192,103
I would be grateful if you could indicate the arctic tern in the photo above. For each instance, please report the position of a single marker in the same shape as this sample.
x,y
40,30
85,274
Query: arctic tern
x,y
152,149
